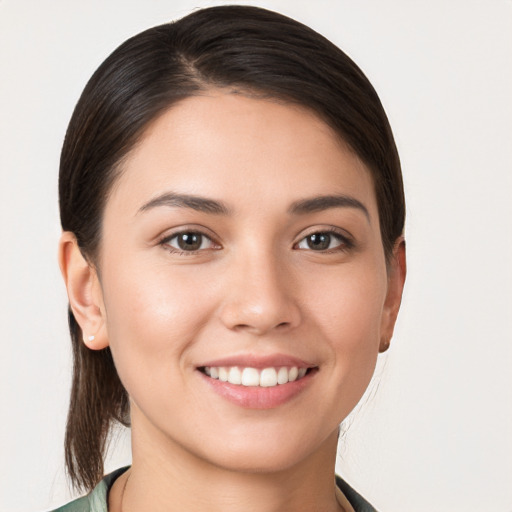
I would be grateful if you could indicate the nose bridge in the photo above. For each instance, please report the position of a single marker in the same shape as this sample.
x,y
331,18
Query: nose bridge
x,y
260,295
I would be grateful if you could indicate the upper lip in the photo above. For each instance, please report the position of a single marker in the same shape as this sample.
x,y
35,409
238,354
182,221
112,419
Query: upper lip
x,y
259,361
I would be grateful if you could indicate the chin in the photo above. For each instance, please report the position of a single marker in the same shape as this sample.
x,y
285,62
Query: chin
x,y
268,453
261,463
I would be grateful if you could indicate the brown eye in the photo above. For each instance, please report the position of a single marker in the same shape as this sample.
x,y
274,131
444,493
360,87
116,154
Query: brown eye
x,y
319,241
324,241
188,241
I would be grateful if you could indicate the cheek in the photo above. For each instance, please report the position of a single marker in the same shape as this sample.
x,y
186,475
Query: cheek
x,y
152,317
349,317
349,306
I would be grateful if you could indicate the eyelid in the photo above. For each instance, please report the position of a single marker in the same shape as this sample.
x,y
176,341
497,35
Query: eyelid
x,y
347,240
164,239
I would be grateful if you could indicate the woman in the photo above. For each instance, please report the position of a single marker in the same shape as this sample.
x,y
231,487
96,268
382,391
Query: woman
x,y
232,211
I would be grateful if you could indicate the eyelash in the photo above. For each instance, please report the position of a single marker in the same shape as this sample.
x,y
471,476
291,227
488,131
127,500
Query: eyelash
x,y
164,242
345,245
345,242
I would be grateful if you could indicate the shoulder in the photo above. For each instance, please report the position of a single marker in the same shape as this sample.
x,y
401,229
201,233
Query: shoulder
x,y
97,499
78,505
358,503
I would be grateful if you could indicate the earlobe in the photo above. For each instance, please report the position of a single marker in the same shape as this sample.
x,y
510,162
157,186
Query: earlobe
x,y
84,292
384,345
396,279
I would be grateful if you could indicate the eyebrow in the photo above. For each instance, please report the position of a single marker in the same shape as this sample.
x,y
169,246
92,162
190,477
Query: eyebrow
x,y
320,203
198,203
300,207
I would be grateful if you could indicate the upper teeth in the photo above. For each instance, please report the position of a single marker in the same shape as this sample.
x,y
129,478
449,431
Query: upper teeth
x,y
266,377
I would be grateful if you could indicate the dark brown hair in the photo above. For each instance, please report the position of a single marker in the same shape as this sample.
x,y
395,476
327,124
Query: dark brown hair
x,y
247,48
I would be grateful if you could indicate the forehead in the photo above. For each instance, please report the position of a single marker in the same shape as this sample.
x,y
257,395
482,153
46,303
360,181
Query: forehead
x,y
240,148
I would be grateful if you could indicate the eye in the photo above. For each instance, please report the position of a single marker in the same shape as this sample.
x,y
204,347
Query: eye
x,y
324,241
188,241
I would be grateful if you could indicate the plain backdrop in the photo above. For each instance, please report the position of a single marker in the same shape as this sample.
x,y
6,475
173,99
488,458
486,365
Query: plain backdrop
x,y
435,432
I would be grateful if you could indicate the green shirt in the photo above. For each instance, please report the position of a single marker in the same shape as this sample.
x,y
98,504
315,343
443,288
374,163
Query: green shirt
x,y
97,499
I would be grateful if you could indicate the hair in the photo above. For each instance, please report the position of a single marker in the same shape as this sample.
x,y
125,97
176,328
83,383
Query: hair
x,y
252,50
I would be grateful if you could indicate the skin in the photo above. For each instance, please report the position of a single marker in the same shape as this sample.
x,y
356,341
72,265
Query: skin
x,y
257,288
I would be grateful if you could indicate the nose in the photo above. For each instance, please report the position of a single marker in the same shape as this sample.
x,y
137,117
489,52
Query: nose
x,y
260,297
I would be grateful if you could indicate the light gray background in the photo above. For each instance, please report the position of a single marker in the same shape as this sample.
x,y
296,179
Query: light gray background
x,y
437,435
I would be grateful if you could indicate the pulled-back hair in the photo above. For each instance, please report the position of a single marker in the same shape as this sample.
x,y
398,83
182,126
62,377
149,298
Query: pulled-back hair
x,y
249,49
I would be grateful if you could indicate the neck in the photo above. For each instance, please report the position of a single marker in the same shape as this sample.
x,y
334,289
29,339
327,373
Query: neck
x,y
167,477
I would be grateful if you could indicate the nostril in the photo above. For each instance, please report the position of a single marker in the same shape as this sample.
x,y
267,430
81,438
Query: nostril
x,y
241,327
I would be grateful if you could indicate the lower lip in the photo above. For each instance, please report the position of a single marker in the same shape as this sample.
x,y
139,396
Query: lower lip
x,y
257,397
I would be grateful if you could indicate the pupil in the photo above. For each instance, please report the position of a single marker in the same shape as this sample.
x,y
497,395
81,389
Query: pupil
x,y
189,241
319,241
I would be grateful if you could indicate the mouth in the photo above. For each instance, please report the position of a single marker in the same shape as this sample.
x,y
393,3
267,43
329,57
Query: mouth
x,y
268,377
258,381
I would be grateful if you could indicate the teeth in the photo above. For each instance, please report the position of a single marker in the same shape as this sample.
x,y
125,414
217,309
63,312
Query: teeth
x,y
282,376
266,378
235,375
250,377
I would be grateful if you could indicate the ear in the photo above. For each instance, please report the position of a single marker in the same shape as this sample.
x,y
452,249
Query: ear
x,y
397,269
84,292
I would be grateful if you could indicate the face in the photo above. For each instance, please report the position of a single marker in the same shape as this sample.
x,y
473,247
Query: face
x,y
244,290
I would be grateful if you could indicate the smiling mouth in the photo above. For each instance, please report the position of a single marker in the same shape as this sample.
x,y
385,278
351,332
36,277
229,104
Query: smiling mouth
x,y
253,377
